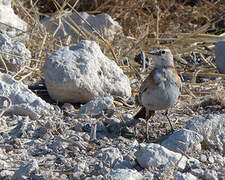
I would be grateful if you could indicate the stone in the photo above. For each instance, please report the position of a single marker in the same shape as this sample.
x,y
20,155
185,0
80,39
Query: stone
x,y
210,175
6,175
219,159
193,163
81,167
211,127
127,116
97,105
123,165
211,159
8,17
78,74
103,23
109,156
113,125
99,177
183,176
20,129
78,127
203,158
26,170
149,175
122,174
14,64
154,156
198,172
183,141
221,173
24,101
220,56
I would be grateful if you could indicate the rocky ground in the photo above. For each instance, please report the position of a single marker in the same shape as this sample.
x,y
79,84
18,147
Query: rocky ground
x,y
101,140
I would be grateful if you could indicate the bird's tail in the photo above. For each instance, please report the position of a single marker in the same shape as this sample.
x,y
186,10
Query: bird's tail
x,y
138,100
142,113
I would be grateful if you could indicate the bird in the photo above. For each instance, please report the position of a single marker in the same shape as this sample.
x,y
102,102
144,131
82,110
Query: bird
x,y
161,89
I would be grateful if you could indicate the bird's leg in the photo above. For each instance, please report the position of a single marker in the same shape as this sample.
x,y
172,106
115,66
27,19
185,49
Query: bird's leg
x,y
147,118
166,114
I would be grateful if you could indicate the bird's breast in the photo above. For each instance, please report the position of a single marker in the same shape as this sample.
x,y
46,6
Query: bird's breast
x,y
164,95
161,98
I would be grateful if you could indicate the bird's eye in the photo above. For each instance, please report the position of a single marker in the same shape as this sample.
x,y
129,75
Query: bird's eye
x,y
163,52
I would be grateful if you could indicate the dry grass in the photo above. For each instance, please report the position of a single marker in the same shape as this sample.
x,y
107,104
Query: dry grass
x,y
185,26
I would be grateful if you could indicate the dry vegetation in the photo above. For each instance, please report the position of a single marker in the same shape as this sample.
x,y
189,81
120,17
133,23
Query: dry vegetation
x,y
186,26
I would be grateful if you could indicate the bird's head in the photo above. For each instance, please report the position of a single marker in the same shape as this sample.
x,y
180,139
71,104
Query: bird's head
x,y
162,57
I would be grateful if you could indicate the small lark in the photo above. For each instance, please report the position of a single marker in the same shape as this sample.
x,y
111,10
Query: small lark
x,y
161,89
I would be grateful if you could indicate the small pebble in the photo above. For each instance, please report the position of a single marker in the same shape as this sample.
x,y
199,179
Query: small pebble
x,y
211,159
127,116
203,158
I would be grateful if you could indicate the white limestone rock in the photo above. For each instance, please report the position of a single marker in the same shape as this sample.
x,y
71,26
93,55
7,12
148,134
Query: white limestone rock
x,y
7,16
183,176
24,101
154,155
109,156
125,174
78,74
183,141
13,63
97,105
103,23
211,127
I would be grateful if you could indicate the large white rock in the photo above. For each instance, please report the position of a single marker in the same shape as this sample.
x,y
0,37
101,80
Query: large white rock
x,y
103,23
154,156
125,174
78,74
183,141
13,63
7,16
24,101
211,127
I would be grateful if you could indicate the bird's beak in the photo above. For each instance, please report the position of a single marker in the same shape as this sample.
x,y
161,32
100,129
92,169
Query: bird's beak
x,y
155,52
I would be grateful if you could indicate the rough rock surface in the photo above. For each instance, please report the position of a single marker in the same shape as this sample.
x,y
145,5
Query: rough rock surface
x,y
97,105
13,63
183,141
220,54
24,101
52,148
184,176
103,23
211,127
122,174
7,16
26,170
154,155
81,73
109,156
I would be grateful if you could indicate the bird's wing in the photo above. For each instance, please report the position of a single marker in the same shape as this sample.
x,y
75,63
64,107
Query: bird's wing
x,y
149,82
176,78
